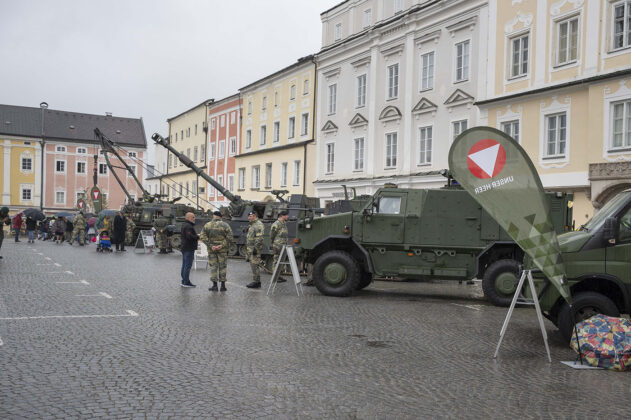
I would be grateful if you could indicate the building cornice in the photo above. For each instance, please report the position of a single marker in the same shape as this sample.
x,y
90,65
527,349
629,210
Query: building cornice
x,y
277,148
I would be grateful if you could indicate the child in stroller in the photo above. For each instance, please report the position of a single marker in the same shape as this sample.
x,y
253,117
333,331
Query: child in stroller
x,y
103,242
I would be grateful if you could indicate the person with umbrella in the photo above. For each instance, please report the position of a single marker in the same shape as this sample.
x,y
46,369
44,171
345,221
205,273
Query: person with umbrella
x,y
69,229
17,225
4,220
59,228
31,224
120,228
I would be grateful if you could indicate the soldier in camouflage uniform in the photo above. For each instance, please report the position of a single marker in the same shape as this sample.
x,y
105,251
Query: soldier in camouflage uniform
x,y
78,229
129,233
278,237
254,248
160,225
217,236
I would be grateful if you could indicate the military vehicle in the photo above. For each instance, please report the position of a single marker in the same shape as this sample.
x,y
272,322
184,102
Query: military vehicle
x,y
597,261
236,213
349,203
416,234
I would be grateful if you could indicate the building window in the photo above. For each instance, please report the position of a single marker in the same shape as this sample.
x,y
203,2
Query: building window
x,y
427,71
622,24
556,132
361,91
176,136
83,151
459,127
250,107
60,148
276,138
393,81
425,135
263,138
202,154
222,149
132,154
222,121
187,190
462,61
188,153
256,176
242,178
264,106
338,32
275,99
132,169
621,132
292,92
188,132
305,87
230,185
182,134
233,146
291,129
283,174
248,139
519,56
332,99
27,164
296,173
367,18
211,149
26,194
233,117
358,154
268,175
60,166
512,129
391,150
60,197
304,124
195,129
169,159
330,158
567,41
81,167
194,188
398,6
195,153
102,169
181,153
220,180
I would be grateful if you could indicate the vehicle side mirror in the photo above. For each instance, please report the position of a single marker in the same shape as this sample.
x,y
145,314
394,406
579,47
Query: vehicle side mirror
x,y
610,230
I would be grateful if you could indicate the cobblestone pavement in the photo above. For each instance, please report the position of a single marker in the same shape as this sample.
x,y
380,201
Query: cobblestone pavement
x,y
90,335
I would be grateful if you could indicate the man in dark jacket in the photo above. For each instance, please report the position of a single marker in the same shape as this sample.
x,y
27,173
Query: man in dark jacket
x,y
120,227
189,245
4,220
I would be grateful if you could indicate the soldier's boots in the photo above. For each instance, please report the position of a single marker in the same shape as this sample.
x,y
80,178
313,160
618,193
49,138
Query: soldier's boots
x,y
254,285
213,288
223,287
162,251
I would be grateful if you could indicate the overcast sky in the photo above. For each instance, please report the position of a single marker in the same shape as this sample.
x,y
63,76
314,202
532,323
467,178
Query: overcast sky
x,y
147,58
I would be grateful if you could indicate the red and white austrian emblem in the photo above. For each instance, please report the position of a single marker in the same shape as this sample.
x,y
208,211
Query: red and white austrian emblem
x,y
95,195
486,158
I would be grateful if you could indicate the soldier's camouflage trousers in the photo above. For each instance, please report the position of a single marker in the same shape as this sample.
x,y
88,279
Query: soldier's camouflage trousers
x,y
129,238
80,232
255,262
161,240
218,263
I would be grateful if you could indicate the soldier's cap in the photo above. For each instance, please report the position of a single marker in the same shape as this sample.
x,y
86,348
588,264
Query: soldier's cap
x,y
217,213
283,213
252,213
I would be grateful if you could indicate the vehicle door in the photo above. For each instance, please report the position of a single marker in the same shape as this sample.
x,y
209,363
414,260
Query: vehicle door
x,y
384,222
618,260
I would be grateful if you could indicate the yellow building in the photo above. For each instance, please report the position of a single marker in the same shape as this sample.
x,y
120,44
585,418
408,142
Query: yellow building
x,y
20,167
187,134
560,83
277,133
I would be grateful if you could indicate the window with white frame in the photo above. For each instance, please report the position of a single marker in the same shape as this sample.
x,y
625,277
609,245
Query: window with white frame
x,y
195,129
330,158
222,120
332,99
211,150
187,190
338,32
304,124
249,107
230,185
305,87
60,166
361,91
81,167
427,71
181,163
182,134
621,125
242,178
621,24
264,106
292,92
519,55
275,99
60,148
102,169
79,196
194,188
398,6
83,151
458,127
296,180
169,159
291,128
248,139
393,81
556,134
222,149
425,135
60,197
512,129
181,189
132,169
276,133
195,154
263,138
358,154
188,131
268,175
26,164
283,174
26,193
212,125
188,153
233,117
202,154
132,154
567,43
220,180
391,150
233,146
256,176
462,61
367,18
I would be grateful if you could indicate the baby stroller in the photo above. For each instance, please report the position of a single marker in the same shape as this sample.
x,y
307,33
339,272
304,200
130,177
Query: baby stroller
x,y
103,242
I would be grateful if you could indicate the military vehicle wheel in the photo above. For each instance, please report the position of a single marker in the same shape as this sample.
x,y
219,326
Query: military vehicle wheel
x,y
242,250
500,281
176,241
365,280
336,273
233,250
584,306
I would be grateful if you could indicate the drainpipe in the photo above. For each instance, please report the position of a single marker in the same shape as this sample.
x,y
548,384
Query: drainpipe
x,y
313,122
43,106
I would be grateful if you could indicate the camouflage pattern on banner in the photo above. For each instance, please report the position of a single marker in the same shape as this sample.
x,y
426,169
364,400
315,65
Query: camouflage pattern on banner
x,y
498,173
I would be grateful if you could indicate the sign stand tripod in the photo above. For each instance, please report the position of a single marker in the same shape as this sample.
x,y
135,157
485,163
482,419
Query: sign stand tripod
x,y
286,258
145,241
533,292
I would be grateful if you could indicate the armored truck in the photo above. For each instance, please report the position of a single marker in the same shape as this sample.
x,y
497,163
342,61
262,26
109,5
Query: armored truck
x,y
416,234
597,261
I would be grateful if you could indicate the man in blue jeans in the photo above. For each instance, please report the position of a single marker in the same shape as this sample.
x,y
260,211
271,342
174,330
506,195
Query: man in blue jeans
x,y
189,245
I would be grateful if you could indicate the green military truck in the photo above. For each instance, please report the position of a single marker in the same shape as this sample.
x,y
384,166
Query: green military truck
x,y
598,265
416,234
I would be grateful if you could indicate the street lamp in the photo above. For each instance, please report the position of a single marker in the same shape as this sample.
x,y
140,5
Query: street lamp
x,y
43,106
